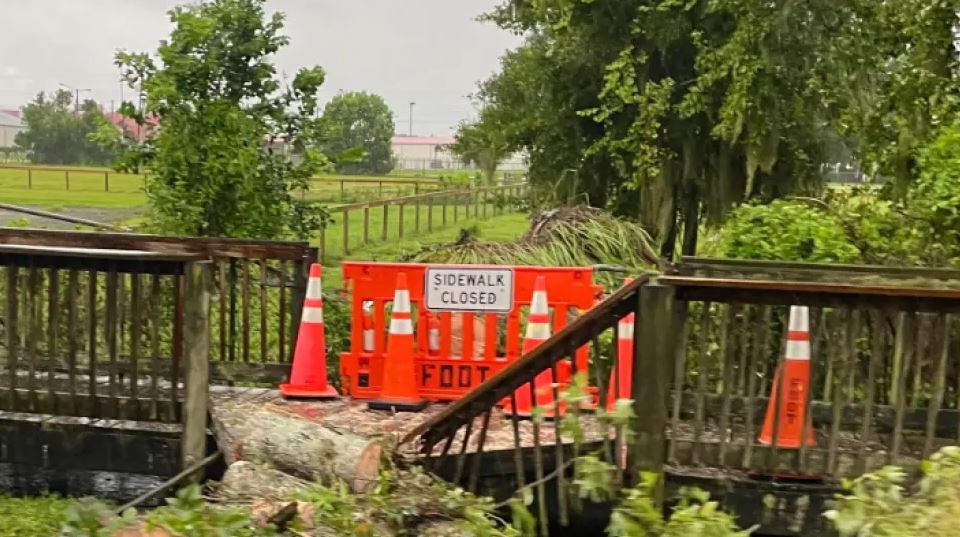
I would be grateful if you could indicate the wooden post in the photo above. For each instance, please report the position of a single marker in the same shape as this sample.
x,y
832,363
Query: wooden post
x,y
343,191
29,178
366,225
430,213
652,367
346,232
106,181
196,346
323,243
416,218
386,220
400,222
301,269
66,178
380,184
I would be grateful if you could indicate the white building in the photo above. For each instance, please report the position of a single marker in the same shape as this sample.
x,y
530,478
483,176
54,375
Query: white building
x,y
10,125
433,153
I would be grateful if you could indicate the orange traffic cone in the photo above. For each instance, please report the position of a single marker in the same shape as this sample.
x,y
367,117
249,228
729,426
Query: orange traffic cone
x,y
794,376
621,376
538,331
308,377
399,391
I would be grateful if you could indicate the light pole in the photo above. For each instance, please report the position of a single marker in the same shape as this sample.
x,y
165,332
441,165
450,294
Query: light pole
x,y
411,117
76,104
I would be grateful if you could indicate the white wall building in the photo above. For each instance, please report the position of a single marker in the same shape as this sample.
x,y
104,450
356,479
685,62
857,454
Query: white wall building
x,y
10,125
433,153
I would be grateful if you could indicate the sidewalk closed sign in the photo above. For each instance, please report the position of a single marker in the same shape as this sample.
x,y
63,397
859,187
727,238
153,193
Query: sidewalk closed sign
x,y
469,289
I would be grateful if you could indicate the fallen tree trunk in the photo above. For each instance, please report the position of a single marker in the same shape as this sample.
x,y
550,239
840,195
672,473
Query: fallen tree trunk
x,y
245,481
308,450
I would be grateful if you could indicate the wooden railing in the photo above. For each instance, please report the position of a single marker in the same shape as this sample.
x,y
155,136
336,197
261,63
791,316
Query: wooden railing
x,y
709,337
365,223
108,180
106,311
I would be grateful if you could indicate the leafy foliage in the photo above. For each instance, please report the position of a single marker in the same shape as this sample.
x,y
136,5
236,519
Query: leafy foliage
x,y
220,160
31,516
934,201
695,514
892,78
57,134
786,230
878,505
675,111
359,121
483,144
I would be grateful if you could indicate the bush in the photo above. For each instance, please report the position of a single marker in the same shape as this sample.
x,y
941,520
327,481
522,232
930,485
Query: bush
x,y
877,504
786,230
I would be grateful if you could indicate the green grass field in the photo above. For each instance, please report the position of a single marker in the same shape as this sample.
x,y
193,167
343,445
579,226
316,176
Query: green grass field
x,y
365,227
47,188
503,228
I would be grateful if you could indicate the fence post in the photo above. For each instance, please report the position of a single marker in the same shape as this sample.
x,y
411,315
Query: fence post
x,y
380,184
29,178
106,181
652,366
323,243
346,231
430,213
416,218
343,191
196,347
66,178
300,271
444,219
386,218
400,223
366,224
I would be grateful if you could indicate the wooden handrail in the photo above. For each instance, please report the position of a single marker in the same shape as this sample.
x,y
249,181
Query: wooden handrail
x,y
212,246
581,331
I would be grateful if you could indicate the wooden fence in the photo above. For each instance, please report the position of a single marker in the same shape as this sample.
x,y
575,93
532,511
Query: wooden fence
x,y
107,180
365,223
709,338
94,323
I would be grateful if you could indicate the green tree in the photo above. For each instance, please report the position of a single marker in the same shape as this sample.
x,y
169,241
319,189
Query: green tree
x,y
893,80
359,120
221,160
482,144
674,112
57,134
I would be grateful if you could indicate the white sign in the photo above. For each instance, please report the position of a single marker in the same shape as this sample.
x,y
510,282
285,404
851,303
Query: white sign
x,y
474,289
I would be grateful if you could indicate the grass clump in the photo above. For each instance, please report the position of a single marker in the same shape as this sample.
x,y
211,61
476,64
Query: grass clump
x,y
567,237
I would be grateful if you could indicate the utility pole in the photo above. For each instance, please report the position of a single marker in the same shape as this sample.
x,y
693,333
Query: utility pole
x,y
76,102
411,117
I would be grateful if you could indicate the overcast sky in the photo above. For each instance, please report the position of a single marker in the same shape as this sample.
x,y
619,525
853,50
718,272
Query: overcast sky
x,y
431,52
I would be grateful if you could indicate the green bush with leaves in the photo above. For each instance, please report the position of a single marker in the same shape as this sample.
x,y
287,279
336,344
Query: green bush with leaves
x,y
786,230
31,516
878,504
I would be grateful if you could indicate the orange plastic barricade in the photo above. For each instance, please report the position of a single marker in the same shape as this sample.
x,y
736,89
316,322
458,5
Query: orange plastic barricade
x,y
456,348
